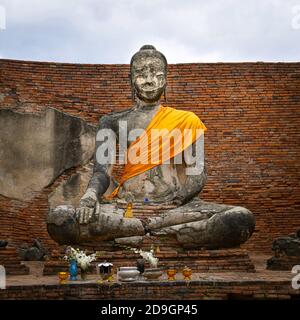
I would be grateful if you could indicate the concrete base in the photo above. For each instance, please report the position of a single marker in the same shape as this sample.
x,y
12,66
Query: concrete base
x,y
263,284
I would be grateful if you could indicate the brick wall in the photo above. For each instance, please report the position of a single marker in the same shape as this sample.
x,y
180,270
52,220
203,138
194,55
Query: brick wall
x,y
162,290
251,110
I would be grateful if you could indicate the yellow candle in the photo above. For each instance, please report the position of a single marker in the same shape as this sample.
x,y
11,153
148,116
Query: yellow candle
x,y
128,212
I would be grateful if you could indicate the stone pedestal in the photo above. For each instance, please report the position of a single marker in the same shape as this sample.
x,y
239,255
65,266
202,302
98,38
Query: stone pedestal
x,y
226,260
10,260
286,252
36,268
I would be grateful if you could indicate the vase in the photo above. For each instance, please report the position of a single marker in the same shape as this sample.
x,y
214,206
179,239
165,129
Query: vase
x,y
128,274
73,270
152,274
140,264
83,274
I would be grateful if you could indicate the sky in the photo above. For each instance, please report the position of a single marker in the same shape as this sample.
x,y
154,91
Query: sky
x,y
186,31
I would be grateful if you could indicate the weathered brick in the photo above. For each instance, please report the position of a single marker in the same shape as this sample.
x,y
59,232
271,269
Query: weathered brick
x,y
252,145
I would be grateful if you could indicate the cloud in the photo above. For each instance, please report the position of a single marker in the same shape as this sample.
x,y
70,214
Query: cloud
x,y
110,31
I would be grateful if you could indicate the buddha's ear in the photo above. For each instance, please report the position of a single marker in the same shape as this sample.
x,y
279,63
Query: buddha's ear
x,y
132,88
165,91
130,79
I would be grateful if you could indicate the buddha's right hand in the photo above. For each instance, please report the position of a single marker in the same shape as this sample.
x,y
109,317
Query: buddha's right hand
x,y
87,206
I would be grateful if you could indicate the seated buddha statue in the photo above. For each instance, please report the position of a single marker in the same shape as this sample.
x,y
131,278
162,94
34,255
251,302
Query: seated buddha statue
x,y
195,223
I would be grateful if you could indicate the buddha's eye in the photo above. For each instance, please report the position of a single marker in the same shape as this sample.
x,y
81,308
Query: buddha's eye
x,y
141,73
139,76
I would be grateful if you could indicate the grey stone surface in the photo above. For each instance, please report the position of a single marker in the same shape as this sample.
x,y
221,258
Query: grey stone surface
x,y
69,192
286,252
289,246
134,241
62,225
35,252
36,148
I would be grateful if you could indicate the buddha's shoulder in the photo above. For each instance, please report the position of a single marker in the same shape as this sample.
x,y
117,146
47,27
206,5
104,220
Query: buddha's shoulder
x,y
183,112
114,116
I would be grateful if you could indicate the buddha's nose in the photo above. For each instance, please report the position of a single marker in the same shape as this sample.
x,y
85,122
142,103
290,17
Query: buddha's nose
x,y
149,78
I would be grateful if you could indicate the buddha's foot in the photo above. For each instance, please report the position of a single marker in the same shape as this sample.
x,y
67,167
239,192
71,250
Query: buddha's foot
x,y
230,227
134,241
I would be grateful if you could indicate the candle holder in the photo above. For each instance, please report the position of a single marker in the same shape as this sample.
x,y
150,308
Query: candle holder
x,y
63,276
171,274
187,273
105,270
128,212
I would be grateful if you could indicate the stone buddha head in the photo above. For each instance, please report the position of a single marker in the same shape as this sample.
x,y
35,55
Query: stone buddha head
x,y
148,74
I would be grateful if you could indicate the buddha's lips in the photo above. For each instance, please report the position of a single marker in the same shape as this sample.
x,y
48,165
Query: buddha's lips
x,y
150,90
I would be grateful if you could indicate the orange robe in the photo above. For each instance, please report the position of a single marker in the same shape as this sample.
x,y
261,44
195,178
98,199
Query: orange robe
x,y
158,142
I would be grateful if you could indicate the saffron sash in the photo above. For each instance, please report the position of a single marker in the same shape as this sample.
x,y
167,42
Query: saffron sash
x,y
169,133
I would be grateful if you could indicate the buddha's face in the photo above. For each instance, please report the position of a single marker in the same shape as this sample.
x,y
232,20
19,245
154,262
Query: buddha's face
x,y
148,78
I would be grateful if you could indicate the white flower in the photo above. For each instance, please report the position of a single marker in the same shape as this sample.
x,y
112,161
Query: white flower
x,y
83,260
148,256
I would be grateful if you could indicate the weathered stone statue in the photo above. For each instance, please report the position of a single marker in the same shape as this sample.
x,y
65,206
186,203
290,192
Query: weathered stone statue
x,y
196,223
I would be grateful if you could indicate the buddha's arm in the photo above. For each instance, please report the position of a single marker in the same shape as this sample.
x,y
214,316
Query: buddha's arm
x,y
97,185
195,173
100,180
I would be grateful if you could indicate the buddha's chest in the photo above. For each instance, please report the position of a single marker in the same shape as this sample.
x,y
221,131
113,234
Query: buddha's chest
x,y
137,121
159,182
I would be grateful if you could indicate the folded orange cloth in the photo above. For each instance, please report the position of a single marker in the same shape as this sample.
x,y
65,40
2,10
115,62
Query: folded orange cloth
x,y
169,133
